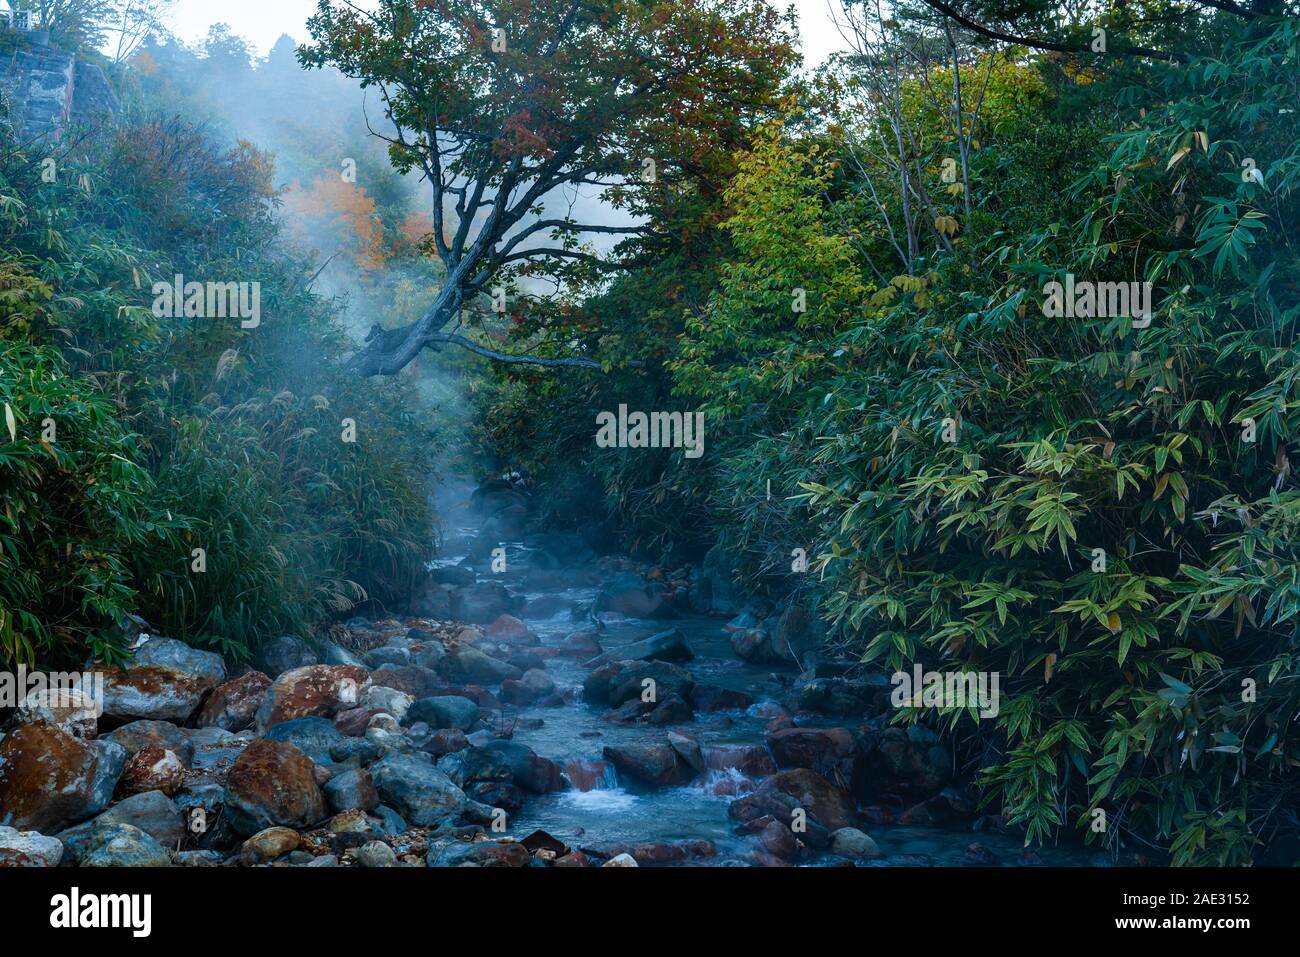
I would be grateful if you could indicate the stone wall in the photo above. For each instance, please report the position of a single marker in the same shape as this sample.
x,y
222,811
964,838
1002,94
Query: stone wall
x,y
48,88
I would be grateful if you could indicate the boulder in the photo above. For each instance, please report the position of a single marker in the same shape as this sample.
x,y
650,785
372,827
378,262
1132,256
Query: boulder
x,y
654,765
28,849
139,735
621,681
152,812
528,769
267,845
285,654
416,680
418,791
351,790
318,738
164,680
233,705
121,845
628,594
466,663
152,769
479,854
507,629
825,807
908,764
484,602
273,783
50,779
582,644
445,711
667,645
850,842
828,751
314,690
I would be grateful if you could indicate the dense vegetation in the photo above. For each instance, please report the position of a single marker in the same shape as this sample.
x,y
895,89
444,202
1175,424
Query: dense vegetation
x,y
954,457
134,439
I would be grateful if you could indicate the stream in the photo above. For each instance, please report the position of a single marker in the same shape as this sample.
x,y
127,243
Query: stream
x,y
606,810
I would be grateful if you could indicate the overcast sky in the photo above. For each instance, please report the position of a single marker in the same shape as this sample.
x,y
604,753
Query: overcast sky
x,y
263,21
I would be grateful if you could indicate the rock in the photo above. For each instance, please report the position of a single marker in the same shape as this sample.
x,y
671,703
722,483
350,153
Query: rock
x,y
70,708
585,775
267,845
152,812
841,696
712,698
139,735
388,700
480,854
164,680
573,859
286,653
388,655
547,606
621,681
319,739
541,841
152,769
751,760
445,711
828,751
507,629
665,646
688,749
655,765
539,682
758,647
312,691
28,849
198,858
457,575
671,710
719,570
583,645
417,790
233,705
351,790
778,840
529,770
484,602
621,860
467,664
850,842
50,779
416,680
905,764
826,807
375,854
445,741
273,783
121,845
332,653
627,593
354,721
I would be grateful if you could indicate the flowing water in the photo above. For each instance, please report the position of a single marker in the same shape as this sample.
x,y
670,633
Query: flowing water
x,y
610,811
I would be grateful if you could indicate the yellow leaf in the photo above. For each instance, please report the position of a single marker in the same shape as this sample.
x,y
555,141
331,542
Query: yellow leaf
x,y
11,423
1048,664
1113,623
1178,155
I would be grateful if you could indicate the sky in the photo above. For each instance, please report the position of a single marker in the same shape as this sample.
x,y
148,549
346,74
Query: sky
x,y
263,21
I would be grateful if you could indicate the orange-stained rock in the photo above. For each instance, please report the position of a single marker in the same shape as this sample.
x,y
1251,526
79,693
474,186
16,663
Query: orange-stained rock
x,y
153,769
273,784
233,705
312,691
50,779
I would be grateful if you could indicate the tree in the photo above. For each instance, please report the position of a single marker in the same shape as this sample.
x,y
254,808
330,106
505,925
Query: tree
x,y
132,23
509,107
